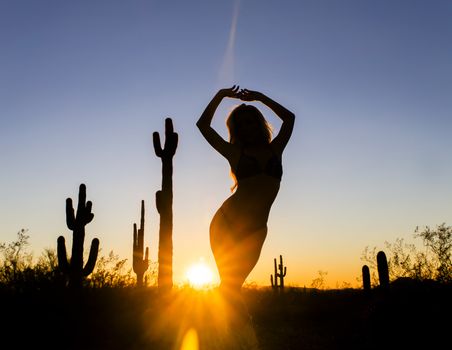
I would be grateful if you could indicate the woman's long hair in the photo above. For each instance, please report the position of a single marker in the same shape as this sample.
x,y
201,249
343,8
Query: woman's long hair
x,y
245,110
233,122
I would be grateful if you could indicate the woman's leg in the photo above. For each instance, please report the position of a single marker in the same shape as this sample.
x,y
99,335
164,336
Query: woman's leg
x,y
236,253
223,247
235,259
248,252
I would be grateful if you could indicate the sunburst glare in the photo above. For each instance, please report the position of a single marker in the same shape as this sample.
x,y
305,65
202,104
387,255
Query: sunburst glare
x,y
199,275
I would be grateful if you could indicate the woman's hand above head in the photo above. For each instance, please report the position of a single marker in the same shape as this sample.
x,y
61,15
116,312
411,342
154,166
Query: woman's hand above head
x,y
230,92
203,123
250,95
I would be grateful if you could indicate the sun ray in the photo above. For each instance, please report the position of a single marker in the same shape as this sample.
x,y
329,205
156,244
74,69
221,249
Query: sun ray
x,y
227,74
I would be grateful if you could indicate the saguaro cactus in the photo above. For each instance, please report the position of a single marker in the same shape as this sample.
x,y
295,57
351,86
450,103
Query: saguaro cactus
x,y
164,203
140,265
281,274
366,278
74,269
383,271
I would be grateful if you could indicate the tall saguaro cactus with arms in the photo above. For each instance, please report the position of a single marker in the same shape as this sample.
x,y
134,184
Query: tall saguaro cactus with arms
x,y
140,265
164,203
281,274
74,269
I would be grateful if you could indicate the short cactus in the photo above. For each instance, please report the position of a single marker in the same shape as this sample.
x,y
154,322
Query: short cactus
x,y
164,203
383,271
281,274
74,269
366,278
140,265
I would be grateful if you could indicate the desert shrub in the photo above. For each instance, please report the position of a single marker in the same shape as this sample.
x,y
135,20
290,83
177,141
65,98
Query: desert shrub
x,y
319,282
439,247
432,262
20,271
16,261
110,271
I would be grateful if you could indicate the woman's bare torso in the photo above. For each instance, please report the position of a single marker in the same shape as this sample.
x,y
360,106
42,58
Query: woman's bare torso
x,y
249,206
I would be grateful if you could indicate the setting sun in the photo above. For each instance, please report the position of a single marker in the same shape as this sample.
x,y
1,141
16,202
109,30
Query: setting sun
x,y
199,275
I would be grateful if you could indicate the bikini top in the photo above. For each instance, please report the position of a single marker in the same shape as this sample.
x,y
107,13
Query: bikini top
x,y
249,166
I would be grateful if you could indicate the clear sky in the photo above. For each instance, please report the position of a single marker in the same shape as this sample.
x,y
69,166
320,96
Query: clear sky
x,y
83,84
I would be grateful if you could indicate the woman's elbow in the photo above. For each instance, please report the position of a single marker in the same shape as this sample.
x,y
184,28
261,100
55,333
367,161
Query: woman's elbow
x,y
202,125
290,117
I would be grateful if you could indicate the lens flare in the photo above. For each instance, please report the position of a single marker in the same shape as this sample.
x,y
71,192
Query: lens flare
x,y
190,341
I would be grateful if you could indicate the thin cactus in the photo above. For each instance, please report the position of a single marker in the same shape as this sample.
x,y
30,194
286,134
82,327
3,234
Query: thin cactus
x,y
164,203
281,274
74,269
366,278
383,271
140,265
274,280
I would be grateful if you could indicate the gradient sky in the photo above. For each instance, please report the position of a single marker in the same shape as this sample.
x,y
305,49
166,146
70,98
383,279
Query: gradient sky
x,y
83,84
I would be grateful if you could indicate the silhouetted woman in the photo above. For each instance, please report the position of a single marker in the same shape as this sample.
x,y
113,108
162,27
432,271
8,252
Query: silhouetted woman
x,y
239,227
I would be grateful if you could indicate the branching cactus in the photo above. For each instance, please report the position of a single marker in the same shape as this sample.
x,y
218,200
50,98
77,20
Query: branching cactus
x,y
164,203
281,274
74,269
140,265
366,278
383,271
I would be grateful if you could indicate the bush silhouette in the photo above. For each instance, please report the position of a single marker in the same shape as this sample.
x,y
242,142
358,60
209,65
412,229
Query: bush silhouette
x,y
19,271
439,244
406,261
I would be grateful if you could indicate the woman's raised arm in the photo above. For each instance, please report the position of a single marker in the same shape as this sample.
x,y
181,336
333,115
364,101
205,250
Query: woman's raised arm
x,y
288,118
203,124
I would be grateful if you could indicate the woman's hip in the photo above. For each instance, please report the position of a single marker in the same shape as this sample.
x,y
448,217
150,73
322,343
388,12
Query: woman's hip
x,y
238,227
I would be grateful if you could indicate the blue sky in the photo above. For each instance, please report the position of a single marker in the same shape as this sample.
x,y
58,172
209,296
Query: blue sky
x,y
84,84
